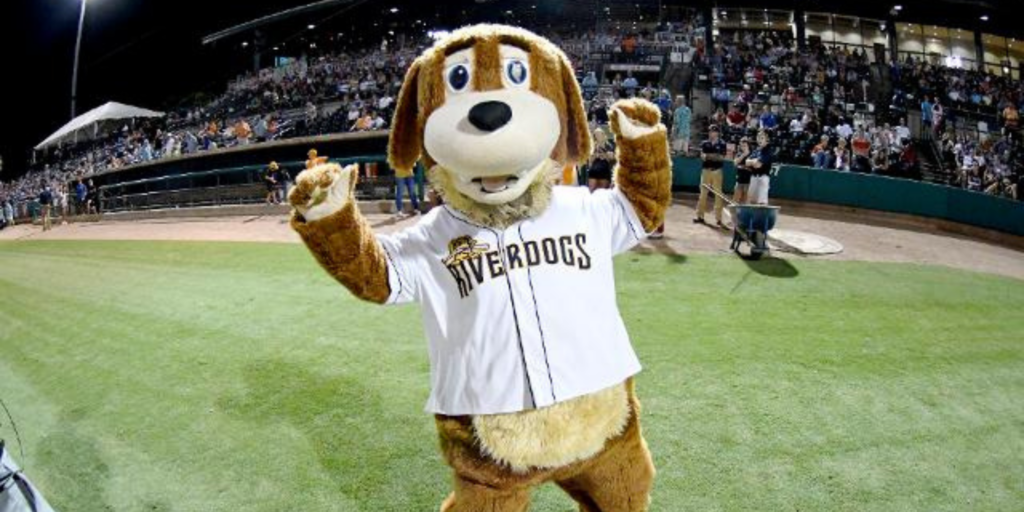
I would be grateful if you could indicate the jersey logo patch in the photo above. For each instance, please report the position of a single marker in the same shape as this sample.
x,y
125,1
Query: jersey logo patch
x,y
463,248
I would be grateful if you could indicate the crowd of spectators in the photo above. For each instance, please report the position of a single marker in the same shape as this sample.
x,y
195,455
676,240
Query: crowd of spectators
x,y
994,165
952,93
330,94
974,118
811,101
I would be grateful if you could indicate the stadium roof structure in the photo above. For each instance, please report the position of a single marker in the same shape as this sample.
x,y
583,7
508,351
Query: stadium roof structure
x,y
88,124
277,17
358,19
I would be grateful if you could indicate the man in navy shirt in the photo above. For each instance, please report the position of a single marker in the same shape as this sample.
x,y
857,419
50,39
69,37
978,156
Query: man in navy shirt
x,y
712,153
81,191
46,201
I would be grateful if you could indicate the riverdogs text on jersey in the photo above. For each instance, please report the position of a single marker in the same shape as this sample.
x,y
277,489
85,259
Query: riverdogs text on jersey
x,y
471,261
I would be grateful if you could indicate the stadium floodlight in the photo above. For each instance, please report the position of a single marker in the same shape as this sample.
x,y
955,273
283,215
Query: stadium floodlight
x,y
984,17
311,26
78,49
394,10
898,7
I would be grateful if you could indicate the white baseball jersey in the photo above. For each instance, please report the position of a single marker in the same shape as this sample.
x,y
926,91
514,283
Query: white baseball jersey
x,y
522,317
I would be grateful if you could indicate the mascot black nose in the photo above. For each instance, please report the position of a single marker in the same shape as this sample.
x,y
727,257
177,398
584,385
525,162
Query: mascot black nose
x,y
490,115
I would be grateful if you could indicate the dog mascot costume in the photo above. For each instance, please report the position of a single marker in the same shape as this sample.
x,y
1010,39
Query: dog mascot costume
x,y
531,367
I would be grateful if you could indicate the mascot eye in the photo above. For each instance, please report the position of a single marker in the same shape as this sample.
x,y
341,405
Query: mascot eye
x,y
517,72
458,77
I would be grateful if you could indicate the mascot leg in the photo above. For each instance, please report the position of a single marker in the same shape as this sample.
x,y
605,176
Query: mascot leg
x,y
481,485
619,479
470,496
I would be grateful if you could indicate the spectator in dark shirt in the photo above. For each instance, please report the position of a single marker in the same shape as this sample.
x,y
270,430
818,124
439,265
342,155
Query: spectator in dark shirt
x,y
92,198
270,181
743,152
712,153
46,201
81,192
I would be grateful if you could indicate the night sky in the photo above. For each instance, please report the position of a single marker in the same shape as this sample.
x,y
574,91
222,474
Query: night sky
x,y
146,53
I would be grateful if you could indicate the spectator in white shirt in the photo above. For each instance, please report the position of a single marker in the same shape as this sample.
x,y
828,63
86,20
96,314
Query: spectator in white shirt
x,y
902,132
844,130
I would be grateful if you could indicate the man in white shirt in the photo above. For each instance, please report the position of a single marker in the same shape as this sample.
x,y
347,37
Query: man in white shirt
x,y
902,132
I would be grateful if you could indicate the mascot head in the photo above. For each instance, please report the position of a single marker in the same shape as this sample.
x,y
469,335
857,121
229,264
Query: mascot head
x,y
493,111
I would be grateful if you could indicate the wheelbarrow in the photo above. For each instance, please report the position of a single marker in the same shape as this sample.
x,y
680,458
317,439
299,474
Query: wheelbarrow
x,y
751,224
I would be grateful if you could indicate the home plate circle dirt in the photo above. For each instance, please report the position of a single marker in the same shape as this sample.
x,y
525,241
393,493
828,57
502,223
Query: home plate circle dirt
x,y
803,242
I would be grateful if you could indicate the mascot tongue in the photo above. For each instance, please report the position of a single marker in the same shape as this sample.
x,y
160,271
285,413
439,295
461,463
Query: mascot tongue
x,y
494,184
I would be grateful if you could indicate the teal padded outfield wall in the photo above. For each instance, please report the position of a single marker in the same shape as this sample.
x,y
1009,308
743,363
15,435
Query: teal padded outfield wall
x,y
875,193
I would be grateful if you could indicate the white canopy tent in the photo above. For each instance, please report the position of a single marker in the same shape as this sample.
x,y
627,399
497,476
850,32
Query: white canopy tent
x,y
87,125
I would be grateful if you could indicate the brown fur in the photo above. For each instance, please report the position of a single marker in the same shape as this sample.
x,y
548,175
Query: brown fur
x,y
552,78
644,169
406,137
620,475
342,242
618,479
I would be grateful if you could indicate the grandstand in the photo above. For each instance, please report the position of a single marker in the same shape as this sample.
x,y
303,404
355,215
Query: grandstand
x,y
317,75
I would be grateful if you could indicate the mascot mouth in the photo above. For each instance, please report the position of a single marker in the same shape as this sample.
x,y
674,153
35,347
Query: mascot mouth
x,y
494,189
496,184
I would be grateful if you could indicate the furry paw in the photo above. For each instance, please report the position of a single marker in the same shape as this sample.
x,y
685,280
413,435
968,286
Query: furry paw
x,y
635,118
323,190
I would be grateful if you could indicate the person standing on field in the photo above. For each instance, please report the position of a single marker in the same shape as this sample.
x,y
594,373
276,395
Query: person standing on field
x,y
760,164
46,201
9,213
270,181
712,153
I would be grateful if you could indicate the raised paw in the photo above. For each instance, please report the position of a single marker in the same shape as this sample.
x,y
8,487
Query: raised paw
x,y
635,118
323,190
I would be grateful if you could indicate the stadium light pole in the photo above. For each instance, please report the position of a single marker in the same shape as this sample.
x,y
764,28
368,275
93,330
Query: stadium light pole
x,y
78,48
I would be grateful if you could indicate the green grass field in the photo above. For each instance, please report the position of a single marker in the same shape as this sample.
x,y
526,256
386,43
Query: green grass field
x,y
239,377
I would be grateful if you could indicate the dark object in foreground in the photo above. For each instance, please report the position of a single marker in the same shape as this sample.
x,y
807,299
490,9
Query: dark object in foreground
x,y
16,493
751,224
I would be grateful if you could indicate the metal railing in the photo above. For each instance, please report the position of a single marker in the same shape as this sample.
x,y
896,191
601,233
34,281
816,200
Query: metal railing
x,y
233,186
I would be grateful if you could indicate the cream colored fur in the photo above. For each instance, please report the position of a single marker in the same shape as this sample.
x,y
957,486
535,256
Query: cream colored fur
x,y
532,203
633,130
327,198
554,436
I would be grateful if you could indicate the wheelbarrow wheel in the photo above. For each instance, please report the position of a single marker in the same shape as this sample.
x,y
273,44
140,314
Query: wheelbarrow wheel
x,y
760,244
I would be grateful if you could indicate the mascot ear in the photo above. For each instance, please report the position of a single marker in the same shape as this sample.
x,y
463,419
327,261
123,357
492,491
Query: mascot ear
x,y
577,140
406,139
